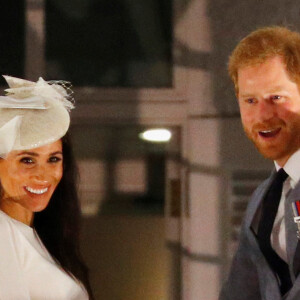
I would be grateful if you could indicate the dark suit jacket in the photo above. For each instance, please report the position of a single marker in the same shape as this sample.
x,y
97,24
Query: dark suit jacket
x,y
250,277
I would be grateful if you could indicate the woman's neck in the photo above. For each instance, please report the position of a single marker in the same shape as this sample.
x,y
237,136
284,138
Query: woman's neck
x,y
17,212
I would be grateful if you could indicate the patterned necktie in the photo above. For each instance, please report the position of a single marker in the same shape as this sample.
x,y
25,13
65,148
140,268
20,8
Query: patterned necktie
x,y
269,211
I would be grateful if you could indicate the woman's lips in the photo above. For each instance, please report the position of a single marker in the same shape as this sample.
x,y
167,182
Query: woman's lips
x,y
269,133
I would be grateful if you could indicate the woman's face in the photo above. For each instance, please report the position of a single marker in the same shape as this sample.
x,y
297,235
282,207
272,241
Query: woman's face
x,y
28,180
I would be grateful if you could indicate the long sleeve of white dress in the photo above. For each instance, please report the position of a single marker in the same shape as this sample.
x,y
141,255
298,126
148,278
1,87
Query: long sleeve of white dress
x,y
27,271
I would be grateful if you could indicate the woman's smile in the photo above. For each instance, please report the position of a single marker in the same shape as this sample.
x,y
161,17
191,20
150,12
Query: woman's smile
x,y
36,191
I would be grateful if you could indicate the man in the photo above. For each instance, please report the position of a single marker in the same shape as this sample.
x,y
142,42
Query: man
x,y
265,69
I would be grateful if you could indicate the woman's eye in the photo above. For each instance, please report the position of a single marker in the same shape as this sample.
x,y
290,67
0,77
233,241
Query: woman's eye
x,y
26,160
54,159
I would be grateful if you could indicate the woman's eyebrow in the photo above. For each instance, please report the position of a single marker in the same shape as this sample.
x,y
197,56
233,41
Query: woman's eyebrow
x,y
36,154
55,153
28,153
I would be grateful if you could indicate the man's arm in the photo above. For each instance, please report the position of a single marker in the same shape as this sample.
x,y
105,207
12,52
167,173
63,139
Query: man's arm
x,y
242,282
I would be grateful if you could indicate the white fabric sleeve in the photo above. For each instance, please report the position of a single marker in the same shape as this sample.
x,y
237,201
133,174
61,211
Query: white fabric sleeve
x,y
11,280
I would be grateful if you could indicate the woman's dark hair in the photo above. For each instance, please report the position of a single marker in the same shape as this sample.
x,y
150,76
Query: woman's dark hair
x,y
58,224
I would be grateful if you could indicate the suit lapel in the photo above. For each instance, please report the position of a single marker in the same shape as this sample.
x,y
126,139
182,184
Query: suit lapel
x,y
253,212
252,216
251,225
291,228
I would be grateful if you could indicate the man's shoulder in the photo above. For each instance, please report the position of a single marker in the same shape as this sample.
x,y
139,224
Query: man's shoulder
x,y
262,186
260,189
255,200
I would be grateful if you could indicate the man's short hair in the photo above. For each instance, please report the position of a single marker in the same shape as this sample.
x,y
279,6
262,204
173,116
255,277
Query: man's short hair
x,y
263,44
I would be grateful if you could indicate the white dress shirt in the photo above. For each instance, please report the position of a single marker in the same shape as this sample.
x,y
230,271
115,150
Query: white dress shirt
x,y
278,238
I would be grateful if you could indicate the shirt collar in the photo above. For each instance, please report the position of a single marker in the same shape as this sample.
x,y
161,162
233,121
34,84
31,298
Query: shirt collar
x,y
292,167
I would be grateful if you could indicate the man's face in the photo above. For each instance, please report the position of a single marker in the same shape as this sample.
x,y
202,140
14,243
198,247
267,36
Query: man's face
x,y
270,109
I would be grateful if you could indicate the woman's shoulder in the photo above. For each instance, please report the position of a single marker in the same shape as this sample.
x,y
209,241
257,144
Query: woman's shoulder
x,y
4,221
11,232
11,281
9,223
8,232
10,240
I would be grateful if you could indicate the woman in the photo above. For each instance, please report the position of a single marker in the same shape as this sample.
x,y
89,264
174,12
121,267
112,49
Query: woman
x,y
39,211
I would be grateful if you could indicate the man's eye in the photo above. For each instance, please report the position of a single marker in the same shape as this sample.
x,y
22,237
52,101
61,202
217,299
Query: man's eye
x,y
26,160
54,159
250,100
275,97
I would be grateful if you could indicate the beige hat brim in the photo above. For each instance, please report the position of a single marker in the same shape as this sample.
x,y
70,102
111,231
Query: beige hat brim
x,y
38,126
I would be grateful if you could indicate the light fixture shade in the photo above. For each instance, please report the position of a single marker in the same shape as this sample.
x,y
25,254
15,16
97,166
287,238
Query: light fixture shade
x,y
158,135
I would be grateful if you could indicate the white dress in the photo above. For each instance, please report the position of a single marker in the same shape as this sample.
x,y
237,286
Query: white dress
x,y
27,271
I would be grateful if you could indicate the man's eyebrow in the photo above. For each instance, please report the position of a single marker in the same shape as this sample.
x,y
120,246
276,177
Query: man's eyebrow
x,y
246,95
276,89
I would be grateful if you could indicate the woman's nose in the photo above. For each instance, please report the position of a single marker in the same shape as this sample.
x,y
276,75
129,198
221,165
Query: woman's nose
x,y
40,175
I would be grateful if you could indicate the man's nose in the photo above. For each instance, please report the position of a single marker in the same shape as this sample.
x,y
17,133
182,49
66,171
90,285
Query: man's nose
x,y
266,110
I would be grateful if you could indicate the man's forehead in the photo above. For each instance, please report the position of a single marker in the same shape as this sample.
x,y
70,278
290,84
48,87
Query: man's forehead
x,y
272,89
257,62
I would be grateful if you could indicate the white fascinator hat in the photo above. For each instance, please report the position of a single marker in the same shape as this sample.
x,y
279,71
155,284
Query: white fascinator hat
x,y
33,114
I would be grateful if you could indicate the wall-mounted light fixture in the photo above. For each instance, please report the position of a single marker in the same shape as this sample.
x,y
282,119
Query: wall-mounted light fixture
x,y
157,135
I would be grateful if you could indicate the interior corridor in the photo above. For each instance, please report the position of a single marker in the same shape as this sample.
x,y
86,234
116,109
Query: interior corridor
x,y
127,257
